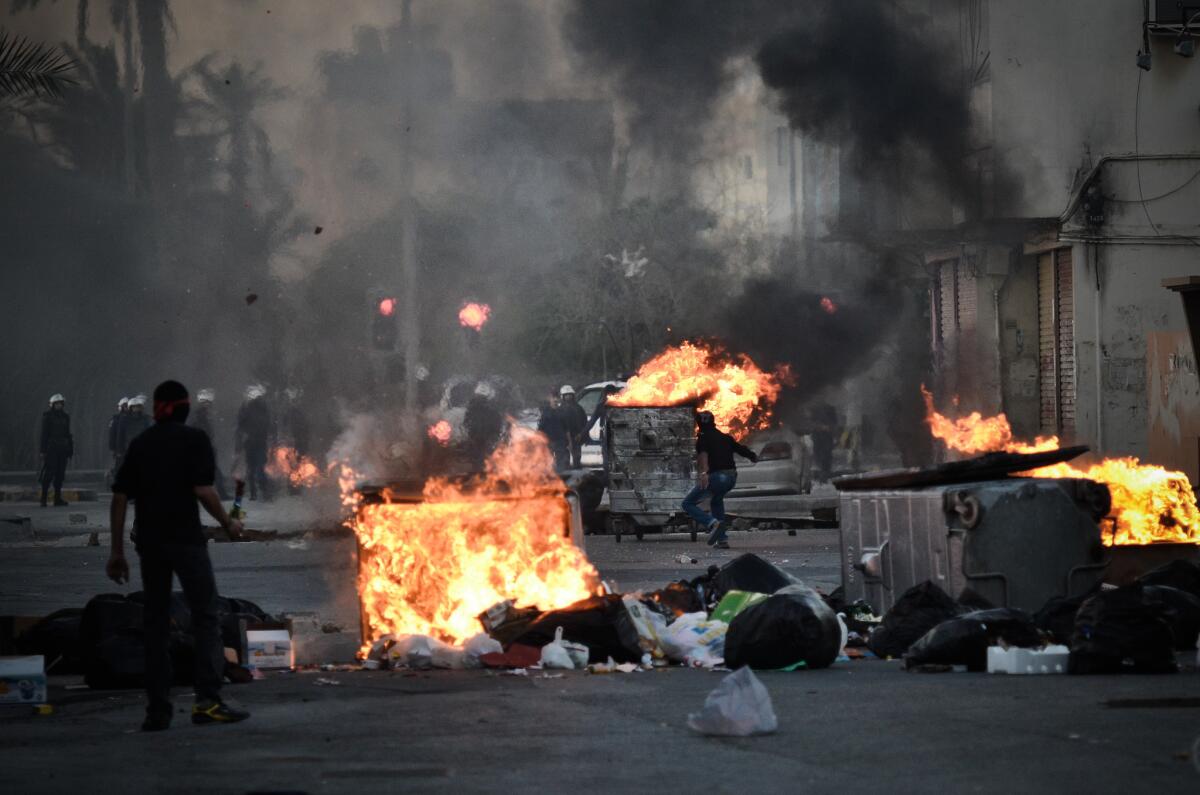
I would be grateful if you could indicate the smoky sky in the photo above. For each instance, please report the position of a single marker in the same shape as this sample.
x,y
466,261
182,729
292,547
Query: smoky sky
x,y
871,77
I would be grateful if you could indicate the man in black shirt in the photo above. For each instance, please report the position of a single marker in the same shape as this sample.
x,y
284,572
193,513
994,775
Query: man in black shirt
x,y
574,421
718,475
166,472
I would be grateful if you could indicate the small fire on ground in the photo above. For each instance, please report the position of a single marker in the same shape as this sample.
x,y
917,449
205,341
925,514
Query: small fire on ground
x,y
473,315
287,463
738,392
432,567
1150,504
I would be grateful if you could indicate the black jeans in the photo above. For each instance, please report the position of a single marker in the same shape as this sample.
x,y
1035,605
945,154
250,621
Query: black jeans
x,y
190,563
53,471
256,475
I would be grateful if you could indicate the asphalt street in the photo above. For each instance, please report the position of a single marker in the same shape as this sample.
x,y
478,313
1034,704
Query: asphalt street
x,y
858,724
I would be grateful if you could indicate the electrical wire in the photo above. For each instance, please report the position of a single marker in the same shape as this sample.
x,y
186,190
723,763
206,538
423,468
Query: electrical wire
x,y
1171,192
1137,163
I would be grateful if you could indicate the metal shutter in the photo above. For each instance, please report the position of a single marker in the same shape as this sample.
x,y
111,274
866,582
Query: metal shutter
x,y
1056,343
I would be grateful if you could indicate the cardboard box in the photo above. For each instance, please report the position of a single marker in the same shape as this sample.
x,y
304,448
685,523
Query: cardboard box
x,y
23,680
269,648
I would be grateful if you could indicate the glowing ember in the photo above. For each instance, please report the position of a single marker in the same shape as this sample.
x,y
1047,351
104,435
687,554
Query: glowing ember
x,y
1150,504
432,567
387,306
828,306
733,388
474,315
299,470
440,432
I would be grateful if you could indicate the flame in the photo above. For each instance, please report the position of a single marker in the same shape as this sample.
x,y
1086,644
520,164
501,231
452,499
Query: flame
x,y
1149,503
432,567
733,388
974,433
828,306
300,470
440,432
473,315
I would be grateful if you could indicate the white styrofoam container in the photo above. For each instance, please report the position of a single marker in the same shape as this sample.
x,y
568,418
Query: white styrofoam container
x,y
1050,660
23,680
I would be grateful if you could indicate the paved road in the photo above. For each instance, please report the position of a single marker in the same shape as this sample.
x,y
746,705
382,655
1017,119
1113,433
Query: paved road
x,y
858,725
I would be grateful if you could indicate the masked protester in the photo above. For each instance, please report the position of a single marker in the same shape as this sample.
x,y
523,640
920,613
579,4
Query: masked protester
x,y
168,474
718,476
57,446
575,423
484,425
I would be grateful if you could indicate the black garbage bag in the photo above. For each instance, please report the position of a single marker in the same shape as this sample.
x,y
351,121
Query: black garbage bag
x,y
918,610
964,640
1057,616
56,637
794,625
1121,630
1181,611
751,573
599,622
1181,574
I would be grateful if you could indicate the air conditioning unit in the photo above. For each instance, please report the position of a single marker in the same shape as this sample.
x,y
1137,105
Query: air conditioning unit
x,y
1168,17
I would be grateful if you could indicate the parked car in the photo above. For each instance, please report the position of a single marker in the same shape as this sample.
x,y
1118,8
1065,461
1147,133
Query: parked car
x,y
783,467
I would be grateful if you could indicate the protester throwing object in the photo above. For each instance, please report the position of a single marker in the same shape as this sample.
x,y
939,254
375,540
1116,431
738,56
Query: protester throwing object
x,y
718,476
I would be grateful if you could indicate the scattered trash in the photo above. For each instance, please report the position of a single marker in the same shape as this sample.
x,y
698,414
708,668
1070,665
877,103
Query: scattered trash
x,y
1057,616
478,646
601,623
735,602
505,621
554,655
695,640
749,572
678,598
739,707
1050,660
299,544
318,230
269,648
1180,609
552,676
515,672
518,655
1120,630
1181,574
964,640
320,680
649,625
918,610
794,625
682,558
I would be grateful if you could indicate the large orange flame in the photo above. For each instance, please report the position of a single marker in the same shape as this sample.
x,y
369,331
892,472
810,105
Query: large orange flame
x,y
299,470
738,393
432,567
1149,503
473,315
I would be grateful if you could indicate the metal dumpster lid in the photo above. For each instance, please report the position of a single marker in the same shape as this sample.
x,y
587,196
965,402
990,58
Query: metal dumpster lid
x,y
990,466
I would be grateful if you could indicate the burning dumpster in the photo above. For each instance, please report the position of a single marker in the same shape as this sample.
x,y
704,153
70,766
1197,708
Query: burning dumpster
x,y
433,556
651,465
1015,541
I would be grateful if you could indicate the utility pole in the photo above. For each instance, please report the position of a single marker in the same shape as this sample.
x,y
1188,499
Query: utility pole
x,y
408,219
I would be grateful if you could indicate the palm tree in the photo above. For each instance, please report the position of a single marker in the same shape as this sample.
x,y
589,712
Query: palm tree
x,y
32,69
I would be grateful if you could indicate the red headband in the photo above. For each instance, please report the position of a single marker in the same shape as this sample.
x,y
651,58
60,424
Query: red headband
x,y
165,409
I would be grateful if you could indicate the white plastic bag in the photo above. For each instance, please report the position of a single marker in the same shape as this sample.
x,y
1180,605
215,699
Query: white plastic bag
x,y
649,624
554,655
739,707
414,651
694,640
478,646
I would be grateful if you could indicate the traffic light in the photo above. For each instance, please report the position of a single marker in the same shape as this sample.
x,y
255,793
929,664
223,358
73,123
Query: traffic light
x,y
383,325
